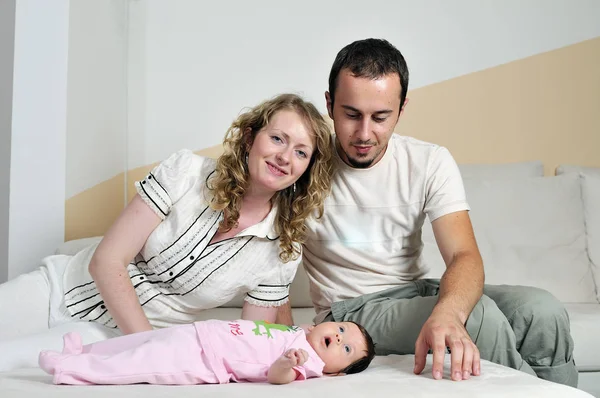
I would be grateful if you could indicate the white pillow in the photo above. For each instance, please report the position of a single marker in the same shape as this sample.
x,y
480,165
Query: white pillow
x,y
590,185
530,232
505,170
566,168
72,247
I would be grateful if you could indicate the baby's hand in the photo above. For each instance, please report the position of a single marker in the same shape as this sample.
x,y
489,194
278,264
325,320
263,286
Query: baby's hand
x,y
293,357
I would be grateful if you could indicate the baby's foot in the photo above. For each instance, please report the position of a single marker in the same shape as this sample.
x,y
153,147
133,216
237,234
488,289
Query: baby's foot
x,y
48,361
73,344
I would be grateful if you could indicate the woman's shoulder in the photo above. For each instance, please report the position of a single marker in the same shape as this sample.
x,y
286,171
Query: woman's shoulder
x,y
187,160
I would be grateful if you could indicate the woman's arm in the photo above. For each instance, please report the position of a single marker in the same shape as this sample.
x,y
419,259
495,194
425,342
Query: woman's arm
x,y
108,266
255,313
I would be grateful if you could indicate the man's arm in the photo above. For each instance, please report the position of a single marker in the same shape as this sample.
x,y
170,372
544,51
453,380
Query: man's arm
x,y
461,287
284,314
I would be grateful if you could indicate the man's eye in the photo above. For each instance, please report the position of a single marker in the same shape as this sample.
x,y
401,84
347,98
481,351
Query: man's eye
x,y
352,116
379,119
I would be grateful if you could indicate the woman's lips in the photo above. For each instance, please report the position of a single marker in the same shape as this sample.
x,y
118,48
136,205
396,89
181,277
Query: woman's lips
x,y
276,170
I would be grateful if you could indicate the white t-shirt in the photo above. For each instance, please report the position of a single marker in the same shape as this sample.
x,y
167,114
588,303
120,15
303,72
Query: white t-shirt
x,y
369,238
178,273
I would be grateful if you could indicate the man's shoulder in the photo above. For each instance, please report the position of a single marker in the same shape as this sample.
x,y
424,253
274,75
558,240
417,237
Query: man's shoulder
x,y
411,144
412,153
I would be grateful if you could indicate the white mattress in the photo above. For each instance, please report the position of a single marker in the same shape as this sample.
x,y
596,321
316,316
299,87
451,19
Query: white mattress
x,y
387,377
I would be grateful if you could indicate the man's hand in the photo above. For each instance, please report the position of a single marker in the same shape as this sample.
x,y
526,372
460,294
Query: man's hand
x,y
281,371
444,329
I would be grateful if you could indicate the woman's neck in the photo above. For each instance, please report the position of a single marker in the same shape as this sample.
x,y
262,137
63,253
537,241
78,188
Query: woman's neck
x,y
255,205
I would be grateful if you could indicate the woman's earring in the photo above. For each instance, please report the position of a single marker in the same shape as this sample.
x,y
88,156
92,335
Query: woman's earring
x,y
246,159
294,188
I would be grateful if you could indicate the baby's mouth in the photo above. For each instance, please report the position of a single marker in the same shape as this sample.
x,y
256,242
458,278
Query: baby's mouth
x,y
327,341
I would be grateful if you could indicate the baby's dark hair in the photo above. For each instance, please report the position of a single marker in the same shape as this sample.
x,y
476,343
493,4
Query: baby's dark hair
x,y
364,362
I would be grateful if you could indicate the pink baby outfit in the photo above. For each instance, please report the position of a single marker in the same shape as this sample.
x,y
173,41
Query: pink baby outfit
x,y
199,353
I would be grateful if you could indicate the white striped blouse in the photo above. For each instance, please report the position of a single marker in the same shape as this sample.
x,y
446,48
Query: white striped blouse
x,y
178,273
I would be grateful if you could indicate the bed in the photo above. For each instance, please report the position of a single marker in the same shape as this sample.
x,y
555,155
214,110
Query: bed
x,y
387,376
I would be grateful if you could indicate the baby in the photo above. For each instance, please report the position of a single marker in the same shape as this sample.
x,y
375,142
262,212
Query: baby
x,y
214,352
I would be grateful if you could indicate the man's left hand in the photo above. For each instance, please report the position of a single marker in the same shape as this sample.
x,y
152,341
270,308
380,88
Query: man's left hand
x,y
444,329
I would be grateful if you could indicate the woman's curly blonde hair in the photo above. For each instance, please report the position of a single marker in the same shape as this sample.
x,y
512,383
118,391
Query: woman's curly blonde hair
x,y
229,182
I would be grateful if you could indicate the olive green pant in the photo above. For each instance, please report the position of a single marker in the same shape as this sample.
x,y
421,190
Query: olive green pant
x,y
522,327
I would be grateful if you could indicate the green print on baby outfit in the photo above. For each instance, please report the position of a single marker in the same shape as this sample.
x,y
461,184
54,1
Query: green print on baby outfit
x,y
268,326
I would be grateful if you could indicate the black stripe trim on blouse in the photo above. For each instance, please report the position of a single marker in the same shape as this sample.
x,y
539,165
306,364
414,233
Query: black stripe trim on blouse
x,y
259,299
226,261
100,316
286,285
81,301
190,251
88,309
185,232
153,176
79,286
150,197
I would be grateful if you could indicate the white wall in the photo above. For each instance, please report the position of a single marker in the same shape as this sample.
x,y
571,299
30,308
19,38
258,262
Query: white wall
x,y
39,107
194,65
7,35
97,93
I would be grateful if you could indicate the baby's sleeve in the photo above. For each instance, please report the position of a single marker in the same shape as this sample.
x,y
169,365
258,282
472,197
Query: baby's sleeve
x,y
313,367
169,181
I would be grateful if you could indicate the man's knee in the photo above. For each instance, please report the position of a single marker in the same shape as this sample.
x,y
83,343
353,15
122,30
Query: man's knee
x,y
540,306
486,323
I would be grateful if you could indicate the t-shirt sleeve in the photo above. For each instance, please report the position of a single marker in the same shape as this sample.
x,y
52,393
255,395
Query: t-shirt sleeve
x,y
274,290
169,181
444,189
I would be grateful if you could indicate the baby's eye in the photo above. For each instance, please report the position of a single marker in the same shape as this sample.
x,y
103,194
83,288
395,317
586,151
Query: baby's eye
x,y
341,329
347,349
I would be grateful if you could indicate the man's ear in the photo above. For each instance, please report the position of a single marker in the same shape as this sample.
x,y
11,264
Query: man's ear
x,y
328,102
406,100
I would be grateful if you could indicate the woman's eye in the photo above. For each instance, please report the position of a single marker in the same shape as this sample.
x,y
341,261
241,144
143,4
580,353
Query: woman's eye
x,y
275,138
302,154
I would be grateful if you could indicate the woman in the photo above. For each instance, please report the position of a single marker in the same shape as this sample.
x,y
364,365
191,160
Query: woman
x,y
199,232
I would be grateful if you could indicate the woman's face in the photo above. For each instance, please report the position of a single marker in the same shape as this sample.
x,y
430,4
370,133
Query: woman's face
x,y
280,153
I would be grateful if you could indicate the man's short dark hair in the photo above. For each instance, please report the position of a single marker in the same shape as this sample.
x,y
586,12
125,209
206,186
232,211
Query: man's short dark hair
x,y
363,363
370,58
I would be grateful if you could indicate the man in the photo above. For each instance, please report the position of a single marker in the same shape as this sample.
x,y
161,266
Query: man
x,y
363,258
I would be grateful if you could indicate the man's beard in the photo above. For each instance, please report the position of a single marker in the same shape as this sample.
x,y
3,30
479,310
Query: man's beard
x,y
360,163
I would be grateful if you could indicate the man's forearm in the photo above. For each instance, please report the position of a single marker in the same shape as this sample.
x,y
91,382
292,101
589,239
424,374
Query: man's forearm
x,y
461,285
284,314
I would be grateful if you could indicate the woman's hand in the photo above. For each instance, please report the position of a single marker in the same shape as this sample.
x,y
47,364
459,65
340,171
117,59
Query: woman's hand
x,y
108,266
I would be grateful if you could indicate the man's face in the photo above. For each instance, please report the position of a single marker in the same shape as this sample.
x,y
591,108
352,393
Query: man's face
x,y
365,113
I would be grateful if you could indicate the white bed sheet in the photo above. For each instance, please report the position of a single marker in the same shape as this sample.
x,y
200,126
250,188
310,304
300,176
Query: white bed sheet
x,y
389,376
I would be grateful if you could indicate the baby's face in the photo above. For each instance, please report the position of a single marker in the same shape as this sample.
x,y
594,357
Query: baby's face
x,y
339,344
